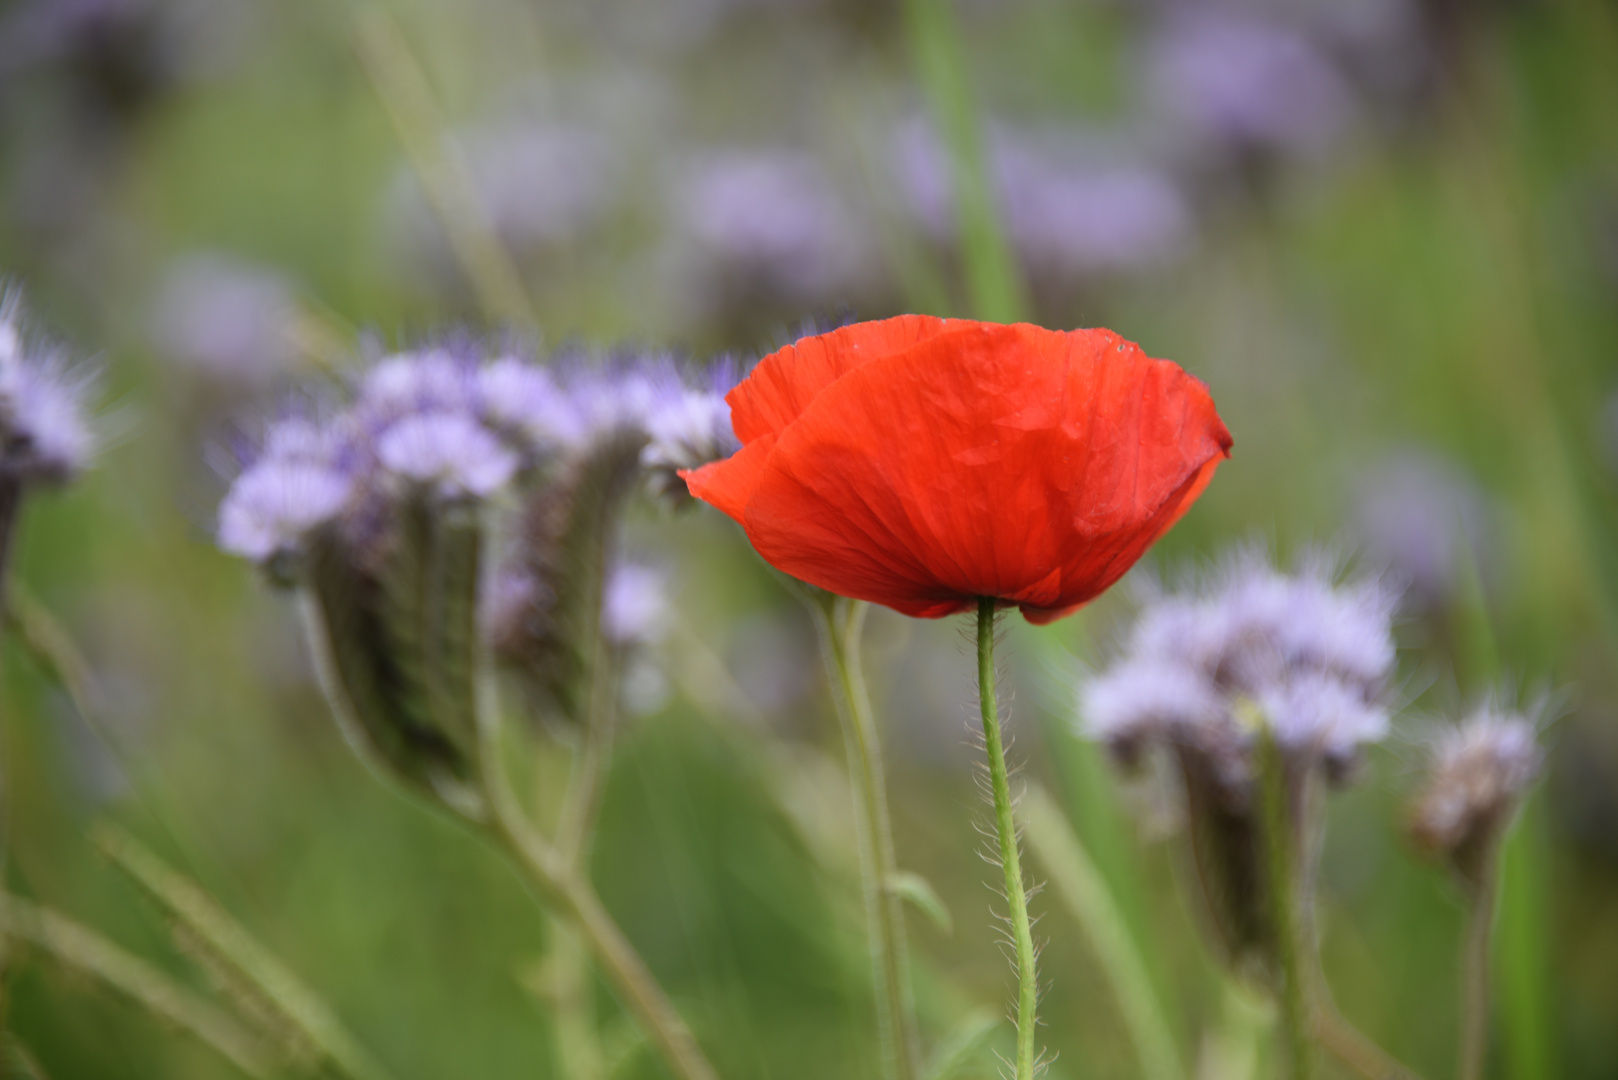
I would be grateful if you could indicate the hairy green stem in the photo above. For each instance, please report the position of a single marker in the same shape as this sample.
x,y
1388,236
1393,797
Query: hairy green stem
x,y
1475,949
81,949
1080,884
840,623
558,883
1006,828
1278,864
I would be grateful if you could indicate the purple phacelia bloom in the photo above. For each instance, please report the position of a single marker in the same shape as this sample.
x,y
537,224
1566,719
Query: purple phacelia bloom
x,y
635,607
1312,657
400,385
771,213
297,484
1478,774
449,451
524,400
1245,82
45,436
226,317
1423,518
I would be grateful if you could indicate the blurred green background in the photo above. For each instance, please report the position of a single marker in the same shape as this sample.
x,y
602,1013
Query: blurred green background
x,y
1384,231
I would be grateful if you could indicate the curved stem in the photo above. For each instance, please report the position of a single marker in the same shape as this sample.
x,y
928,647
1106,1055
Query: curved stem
x,y
1475,979
1006,828
840,625
81,949
556,882
1283,898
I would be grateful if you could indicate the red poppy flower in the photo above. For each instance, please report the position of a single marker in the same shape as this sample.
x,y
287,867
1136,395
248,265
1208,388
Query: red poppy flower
x,y
923,463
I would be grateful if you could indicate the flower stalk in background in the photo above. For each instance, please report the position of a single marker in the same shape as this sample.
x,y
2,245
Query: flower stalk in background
x,y
381,514
1260,687
943,465
44,441
1478,774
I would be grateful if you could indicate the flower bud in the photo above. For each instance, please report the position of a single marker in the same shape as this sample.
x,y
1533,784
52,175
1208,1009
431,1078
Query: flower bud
x,y
1477,777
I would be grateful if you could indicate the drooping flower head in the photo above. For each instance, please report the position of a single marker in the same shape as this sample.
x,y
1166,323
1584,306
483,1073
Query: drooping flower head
x,y
923,463
382,510
44,437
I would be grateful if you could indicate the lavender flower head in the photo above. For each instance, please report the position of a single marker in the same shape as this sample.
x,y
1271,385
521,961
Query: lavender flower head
x,y
298,484
1206,672
45,436
1312,657
1478,774
635,606
1246,83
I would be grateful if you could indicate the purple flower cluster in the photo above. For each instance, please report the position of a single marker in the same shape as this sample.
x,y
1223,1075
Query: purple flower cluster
x,y
44,437
1307,656
446,424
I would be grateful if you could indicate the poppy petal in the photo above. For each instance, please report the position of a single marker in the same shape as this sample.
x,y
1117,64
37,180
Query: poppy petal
x,y
785,382
1006,461
729,484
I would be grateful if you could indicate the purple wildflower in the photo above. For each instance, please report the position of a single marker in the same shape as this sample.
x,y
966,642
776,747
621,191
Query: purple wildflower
x,y
1479,772
1246,83
43,434
226,317
450,451
771,213
294,487
1421,517
635,607
1311,655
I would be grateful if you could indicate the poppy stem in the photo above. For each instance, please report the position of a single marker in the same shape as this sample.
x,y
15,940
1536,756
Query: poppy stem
x,y
1278,864
1006,828
841,622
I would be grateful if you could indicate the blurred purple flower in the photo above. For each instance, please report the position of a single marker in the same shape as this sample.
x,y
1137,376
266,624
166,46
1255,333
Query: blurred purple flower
x,y
1071,206
1314,655
1246,83
450,451
635,606
226,317
1420,516
768,212
298,484
44,437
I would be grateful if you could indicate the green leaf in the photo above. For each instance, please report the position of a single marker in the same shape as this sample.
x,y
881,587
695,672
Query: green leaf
x,y
915,889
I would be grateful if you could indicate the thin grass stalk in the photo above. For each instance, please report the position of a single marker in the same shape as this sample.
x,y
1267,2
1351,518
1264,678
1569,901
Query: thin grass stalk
x,y
1278,867
1022,932
1476,942
227,940
1084,890
840,624
11,493
401,85
557,883
993,281
81,949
